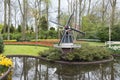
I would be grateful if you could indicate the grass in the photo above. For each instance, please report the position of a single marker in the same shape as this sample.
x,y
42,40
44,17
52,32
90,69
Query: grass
x,y
96,43
23,50
33,50
93,43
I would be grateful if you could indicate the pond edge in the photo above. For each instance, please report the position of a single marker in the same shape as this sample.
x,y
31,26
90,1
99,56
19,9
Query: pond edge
x,y
6,73
66,62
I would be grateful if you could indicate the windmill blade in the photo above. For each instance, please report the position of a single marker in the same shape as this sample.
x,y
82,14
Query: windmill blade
x,y
64,33
56,23
70,16
77,31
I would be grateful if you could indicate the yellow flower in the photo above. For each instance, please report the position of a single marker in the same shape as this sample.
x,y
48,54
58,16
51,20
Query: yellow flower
x,y
4,61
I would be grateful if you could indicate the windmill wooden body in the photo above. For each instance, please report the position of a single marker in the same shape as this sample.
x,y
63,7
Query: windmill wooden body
x,y
66,41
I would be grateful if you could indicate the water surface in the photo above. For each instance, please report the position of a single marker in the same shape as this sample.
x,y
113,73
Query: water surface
x,y
27,68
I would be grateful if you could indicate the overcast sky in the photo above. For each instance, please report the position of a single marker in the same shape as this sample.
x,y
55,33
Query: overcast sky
x,y
53,8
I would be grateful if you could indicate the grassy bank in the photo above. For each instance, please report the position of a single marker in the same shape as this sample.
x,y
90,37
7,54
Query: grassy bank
x,y
23,50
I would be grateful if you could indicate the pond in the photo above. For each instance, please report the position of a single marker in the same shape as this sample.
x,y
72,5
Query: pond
x,y
31,68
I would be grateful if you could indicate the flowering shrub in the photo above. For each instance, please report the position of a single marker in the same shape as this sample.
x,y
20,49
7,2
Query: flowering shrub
x,y
5,63
115,49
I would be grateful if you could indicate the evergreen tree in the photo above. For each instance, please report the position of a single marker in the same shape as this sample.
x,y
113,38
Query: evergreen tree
x,y
19,28
12,29
43,24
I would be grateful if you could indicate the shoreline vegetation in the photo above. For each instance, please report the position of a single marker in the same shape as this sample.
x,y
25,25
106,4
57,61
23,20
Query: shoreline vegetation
x,y
30,48
33,48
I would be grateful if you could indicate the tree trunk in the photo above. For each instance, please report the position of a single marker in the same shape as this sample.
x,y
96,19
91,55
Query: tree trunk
x,y
24,16
103,12
113,5
75,21
47,7
5,16
104,8
58,18
9,19
112,18
15,17
68,6
24,19
36,22
80,12
89,7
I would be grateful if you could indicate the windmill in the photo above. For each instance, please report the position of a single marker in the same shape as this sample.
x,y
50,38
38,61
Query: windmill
x,y
66,41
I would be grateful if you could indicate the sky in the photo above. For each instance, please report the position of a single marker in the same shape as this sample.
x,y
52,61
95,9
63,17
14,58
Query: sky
x,y
53,8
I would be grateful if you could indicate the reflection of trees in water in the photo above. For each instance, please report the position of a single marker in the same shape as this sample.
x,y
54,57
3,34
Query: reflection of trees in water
x,y
35,69
25,68
86,72
117,68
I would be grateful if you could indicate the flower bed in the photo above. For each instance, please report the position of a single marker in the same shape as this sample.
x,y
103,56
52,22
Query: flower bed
x,y
5,67
115,50
43,43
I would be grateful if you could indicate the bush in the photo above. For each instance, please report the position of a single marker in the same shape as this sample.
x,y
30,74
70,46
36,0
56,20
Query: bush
x,y
85,53
51,54
102,33
1,46
70,56
91,53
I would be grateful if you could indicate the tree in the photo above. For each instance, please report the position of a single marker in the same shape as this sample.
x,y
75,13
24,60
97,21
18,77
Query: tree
x,y
47,3
43,24
52,28
12,29
104,10
5,15
116,33
90,23
19,28
1,27
58,17
9,19
15,11
103,33
112,18
89,7
31,29
113,5
24,16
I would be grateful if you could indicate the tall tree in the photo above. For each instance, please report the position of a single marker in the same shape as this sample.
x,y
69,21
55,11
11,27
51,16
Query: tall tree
x,y
5,16
58,17
24,16
36,20
112,17
9,19
113,5
58,11
104,10
82,6
14,12
47,3
89,5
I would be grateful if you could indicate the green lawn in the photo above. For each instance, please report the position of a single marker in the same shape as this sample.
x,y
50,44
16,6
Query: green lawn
x,y
96,43
33,50
23,50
